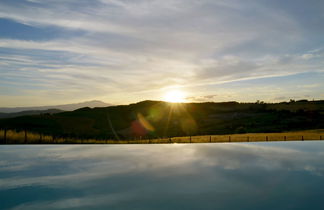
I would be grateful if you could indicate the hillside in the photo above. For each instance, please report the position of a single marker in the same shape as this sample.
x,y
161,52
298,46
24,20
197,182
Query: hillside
x,y
32,112
158,119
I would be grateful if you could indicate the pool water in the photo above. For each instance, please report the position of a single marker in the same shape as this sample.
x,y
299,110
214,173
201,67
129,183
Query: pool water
x,y
268,175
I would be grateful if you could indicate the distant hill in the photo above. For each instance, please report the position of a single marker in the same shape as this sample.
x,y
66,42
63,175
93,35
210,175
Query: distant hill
x,y
162,119
33,112
65,107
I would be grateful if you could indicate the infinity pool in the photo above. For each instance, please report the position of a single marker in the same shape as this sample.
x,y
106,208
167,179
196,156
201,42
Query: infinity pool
x,y
277,175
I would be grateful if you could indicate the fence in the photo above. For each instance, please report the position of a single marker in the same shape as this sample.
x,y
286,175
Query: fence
x,y
25,137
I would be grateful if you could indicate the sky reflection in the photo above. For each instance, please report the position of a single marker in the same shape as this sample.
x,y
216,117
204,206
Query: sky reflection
x,y
287,175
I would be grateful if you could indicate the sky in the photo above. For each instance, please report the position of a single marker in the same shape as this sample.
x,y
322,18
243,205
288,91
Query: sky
x,y
125,51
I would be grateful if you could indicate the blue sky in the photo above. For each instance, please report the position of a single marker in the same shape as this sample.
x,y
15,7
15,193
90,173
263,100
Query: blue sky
x,y
124,51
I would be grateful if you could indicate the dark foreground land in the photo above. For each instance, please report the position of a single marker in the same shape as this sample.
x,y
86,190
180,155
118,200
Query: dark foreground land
x,y
163,122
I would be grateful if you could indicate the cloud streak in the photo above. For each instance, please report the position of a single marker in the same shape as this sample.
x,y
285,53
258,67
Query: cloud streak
x,y
141,47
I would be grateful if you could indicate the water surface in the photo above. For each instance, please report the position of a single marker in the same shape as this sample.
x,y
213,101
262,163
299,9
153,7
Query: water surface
x,y
277,175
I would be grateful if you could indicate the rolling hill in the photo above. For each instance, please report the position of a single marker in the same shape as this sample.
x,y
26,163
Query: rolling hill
x,y
32,112
162,119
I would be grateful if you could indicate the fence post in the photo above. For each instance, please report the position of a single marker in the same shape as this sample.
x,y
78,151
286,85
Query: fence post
x,y
170,140
266,138
210,138
285,138
40,138
5,136
190,139
248,138
302,138
229,139
25,136
320,137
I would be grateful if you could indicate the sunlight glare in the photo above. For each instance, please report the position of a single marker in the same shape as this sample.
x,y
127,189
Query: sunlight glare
x,y
175,96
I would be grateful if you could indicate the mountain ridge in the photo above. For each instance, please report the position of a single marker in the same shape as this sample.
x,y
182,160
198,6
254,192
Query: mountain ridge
x,y
63,107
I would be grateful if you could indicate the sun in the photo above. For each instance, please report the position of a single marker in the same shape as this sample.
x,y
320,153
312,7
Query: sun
x,y
175,96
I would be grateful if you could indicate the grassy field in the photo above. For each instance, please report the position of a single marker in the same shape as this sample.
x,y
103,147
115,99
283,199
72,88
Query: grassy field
x,y
13,137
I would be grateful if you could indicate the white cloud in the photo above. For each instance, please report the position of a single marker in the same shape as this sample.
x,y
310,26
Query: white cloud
x,y
145,45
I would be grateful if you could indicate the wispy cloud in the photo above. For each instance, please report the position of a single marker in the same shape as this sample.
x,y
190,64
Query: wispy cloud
x,y
131,47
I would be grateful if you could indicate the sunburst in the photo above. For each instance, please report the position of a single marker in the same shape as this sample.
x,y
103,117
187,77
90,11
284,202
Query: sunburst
x,y
175,96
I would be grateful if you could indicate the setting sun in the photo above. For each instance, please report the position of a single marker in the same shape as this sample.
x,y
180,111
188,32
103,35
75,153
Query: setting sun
x,y
175,96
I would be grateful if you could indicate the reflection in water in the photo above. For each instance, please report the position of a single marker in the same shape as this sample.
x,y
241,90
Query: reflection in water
x,y
278,175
